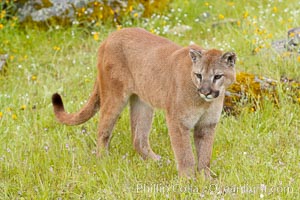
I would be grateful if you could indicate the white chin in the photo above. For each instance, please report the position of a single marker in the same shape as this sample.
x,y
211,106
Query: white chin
x,y
205,98
208,100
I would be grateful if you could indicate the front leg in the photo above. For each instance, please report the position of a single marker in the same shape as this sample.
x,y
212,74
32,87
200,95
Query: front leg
x,y
204,137
181,145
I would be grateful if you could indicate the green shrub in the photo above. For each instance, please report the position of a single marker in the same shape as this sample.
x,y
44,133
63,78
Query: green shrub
x,y
78,12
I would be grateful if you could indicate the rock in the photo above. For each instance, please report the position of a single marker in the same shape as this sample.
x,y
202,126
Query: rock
x,y
180,29
291,44
224,22
279,45
203,17
252,90
3,59
294,39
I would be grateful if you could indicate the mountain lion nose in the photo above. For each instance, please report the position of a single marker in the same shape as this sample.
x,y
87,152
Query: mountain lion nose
x,y
205,91
209,93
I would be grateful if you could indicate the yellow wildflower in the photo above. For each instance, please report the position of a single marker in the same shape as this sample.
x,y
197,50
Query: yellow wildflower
x,y
14,117
119,27
257,49
1,114
130,8
33,77
1,26
8,109
245,15
135,15
270,35
298,58
56,48
23,107
112,12
221,16
275,9
292,34
2,14
96,36
206,4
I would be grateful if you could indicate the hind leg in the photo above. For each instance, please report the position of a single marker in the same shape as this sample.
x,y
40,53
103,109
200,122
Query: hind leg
x,y
109,113
141,119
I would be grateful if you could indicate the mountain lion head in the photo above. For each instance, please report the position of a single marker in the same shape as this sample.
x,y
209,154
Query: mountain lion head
x,y
212,72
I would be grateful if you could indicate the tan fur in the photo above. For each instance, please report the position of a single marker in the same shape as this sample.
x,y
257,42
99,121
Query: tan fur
x,y
152,72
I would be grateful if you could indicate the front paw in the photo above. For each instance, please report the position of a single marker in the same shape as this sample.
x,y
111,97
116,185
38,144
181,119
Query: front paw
x,y
187,172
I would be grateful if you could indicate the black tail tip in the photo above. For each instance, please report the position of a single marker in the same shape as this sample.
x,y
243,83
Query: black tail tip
x,y
56,100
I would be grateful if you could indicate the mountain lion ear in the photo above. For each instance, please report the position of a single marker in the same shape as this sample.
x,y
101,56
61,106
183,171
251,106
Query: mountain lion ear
x,y
229,58
195,55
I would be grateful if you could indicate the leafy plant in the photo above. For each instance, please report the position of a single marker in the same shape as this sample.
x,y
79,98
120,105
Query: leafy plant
x,y
87,13
252,90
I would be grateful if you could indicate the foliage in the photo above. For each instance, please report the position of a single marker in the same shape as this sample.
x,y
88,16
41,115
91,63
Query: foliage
x,y
7,15
78,12
252,90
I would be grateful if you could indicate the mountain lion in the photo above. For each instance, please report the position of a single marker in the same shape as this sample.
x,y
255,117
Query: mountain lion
x,y
148,71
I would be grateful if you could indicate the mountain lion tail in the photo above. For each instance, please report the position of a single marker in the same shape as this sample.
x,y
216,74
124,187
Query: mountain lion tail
x,y
84,114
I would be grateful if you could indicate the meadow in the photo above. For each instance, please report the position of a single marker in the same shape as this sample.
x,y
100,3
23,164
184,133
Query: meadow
x,y
256,154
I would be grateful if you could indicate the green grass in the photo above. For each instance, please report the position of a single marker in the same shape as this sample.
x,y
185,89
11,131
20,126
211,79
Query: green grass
x,y
256,154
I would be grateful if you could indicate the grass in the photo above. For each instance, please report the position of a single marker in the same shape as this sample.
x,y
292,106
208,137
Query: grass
x,y
256,154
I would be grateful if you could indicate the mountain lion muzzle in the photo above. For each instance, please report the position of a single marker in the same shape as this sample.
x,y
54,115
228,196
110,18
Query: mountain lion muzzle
x,y
148,71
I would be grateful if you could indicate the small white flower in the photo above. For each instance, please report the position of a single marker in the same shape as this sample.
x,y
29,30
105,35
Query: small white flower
x,y
51,169
46,148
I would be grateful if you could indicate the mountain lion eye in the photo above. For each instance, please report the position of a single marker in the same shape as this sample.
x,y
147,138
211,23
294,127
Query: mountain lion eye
x,y
198,76
218,76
